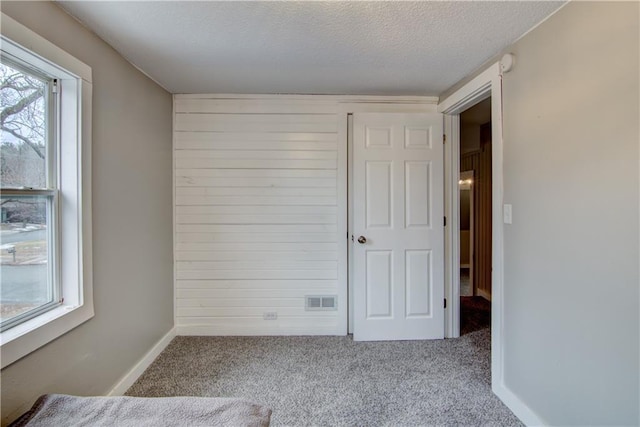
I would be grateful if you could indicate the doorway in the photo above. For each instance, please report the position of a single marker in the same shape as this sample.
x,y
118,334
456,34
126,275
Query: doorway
x,y
487,84
475,217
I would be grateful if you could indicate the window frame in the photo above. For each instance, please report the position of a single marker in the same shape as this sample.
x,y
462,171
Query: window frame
x,y
72,198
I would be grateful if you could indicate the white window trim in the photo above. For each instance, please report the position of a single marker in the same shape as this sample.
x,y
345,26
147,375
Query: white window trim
x,y
75,213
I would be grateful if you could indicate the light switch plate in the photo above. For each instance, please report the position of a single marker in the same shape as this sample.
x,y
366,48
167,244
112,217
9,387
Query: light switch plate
x,y
507,214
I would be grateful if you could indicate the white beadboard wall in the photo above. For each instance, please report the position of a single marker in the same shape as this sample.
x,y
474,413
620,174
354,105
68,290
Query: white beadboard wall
x,y
256,215
260,212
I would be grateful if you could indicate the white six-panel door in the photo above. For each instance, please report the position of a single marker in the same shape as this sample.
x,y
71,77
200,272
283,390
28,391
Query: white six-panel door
x,y
398,219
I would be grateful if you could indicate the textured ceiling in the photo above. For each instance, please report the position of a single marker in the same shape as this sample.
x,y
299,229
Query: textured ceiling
x,y
381,48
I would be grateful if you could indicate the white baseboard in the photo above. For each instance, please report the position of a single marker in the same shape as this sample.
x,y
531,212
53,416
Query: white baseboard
x,y
130,377
226,330
518,407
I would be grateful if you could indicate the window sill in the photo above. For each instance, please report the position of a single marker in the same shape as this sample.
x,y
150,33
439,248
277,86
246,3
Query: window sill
x,y
23,339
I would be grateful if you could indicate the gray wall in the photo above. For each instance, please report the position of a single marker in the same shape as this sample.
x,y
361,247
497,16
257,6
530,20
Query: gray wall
x,y
571,152
132,226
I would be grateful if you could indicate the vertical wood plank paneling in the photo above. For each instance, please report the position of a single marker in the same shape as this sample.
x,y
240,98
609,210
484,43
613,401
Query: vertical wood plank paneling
x,y
480,163
256,216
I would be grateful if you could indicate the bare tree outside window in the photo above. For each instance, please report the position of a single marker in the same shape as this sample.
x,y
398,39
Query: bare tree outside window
x,y
25,280
23,125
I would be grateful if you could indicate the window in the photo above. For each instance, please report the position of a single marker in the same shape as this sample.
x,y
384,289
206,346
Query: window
x,y
28,281
45,211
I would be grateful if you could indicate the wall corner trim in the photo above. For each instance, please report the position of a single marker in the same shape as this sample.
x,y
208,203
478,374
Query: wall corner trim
x,y
518,407
134,373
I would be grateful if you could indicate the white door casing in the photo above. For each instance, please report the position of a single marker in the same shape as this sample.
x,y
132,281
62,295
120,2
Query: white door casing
x,y
398,208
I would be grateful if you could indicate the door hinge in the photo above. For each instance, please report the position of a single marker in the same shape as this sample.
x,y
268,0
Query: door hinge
x,y
444,139
54,86
445,303
445,221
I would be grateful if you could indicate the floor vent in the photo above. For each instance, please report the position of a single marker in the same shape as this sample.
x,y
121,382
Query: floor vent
x,y
321,302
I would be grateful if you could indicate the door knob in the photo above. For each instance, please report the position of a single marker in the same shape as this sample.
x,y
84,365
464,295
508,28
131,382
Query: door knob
x,y
362,240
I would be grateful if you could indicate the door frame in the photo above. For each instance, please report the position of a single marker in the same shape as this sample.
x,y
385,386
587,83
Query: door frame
x,y
486,84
